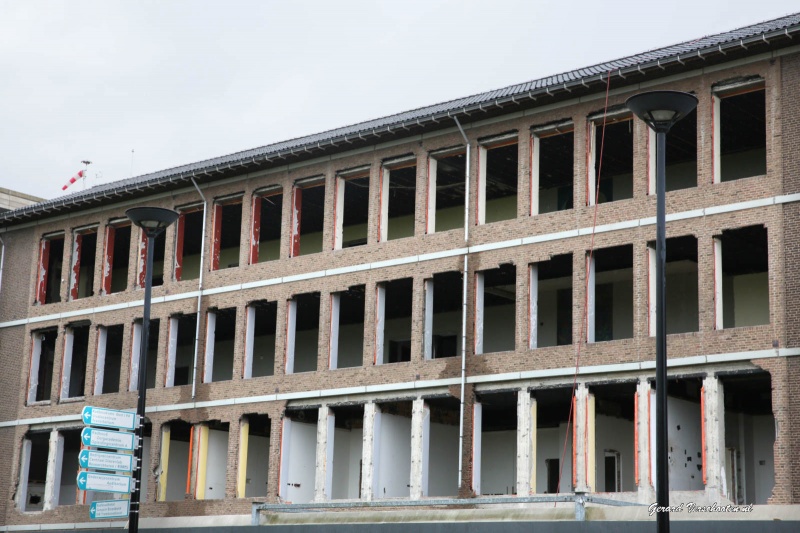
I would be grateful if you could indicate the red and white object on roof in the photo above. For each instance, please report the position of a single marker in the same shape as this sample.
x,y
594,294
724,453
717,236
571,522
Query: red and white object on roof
x,y
73,179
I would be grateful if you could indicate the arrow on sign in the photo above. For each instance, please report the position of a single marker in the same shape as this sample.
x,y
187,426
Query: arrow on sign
x,y
86,437
87,416
84,459
82,481
92,512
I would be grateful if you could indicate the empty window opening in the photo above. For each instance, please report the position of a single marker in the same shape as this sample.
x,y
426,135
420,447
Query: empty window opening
x,y
152,353
73,374
302,333
308,213
680,157
298,455
51,258
227,235
495,309
497,188
262,322
258,451
220,339
159,246
33,472
553,161
611,294
347,328
495,439
742,291
393,444
176,453
742,134
615,168
443,440
553,429
109,359
67,477
681,278
443,315
749,438
393,321
84,250
446,175
117,258
40,380
685,453
614,422
266,235
551,306
180,356
212,453
352,211
188,244
348,443
398,201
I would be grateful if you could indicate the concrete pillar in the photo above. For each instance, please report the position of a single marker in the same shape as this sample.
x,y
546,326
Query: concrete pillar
x,y
369,454
580,468
24,467
323,477
714,438
526,443
52,484
642,451
420,448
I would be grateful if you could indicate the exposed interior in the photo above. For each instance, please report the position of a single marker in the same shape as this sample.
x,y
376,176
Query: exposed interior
x,y
214,456
749,438
612,293
614,421
500,182
615,168
298,455
684,435
556,181
745,277
221,338
152,353
307,219
52,261
743,135
83,263
159,246
682,304
552,315
303,333
34,471
257,469
495,309
228,235
443,315
261,358
446,193
393,324
120,257
353,220
497,443
267,232
392,465
442,464
111,359
42,360
178,460
348,440
187,262
184,350
400,199
681,154
347,328
68,483
553,440
76,348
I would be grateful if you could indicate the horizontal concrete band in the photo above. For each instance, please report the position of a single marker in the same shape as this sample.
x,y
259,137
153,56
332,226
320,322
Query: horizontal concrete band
x,y
683,215
428,384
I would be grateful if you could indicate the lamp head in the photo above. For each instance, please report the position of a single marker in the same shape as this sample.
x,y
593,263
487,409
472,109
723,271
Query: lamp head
x,y
661,109
152,220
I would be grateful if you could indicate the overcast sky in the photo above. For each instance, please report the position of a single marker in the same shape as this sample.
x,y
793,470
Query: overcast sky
x,y
181,81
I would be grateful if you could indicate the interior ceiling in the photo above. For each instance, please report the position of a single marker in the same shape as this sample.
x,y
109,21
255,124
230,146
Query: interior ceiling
x,y
450,181
399,298
500,285
192,233
447,291
614,399
271,215
226,324
402,191
231,231
356,201
559,266
750,393
614,258
682,141
351,302
617,149
187,325
266,317
681,248
744,250
501,171
307,311
743,124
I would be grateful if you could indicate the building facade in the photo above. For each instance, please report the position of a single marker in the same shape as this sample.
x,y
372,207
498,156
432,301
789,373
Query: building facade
x,y
450,303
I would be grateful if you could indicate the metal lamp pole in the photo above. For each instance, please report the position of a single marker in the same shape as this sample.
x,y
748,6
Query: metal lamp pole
x,y
661,110
152,221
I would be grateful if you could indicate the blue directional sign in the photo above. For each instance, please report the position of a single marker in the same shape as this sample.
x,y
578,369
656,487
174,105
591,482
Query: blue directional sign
x,y
117,462
104,482
108,418
118,440
109,509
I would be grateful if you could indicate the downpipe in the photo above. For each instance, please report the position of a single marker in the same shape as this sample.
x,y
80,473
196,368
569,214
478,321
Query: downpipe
x,y
199,291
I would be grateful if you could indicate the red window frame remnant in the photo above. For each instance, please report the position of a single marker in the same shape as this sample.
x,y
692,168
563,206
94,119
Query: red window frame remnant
x,y
108,259
255,228
44,259
216,231
297,203
180,228
75,272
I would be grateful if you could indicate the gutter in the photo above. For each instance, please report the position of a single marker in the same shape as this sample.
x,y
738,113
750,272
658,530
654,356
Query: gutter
x,y
199,292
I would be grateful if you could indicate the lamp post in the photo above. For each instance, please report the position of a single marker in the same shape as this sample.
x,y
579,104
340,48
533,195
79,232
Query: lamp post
x,y
152,221
661,110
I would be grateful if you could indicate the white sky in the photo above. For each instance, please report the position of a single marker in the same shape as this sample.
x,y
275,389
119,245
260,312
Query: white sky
x,y
182,81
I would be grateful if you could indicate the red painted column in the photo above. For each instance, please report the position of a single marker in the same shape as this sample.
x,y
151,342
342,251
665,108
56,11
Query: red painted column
x,y
296,217
108,259
76,268
44,259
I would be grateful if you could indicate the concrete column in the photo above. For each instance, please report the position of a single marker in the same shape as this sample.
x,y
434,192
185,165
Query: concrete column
x,y
323,476
24,466
579,443
714,438
368,453
526,443
52,484
642,442
420,448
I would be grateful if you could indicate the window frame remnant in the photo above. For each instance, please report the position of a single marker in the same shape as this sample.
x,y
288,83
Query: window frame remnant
x,y
485,147
159,248
432,200
723,92
296,227
76,261
220,204
180,235
46,293
546,134
69,361
386,189
343,178
268,194
111,248
595,129
37,392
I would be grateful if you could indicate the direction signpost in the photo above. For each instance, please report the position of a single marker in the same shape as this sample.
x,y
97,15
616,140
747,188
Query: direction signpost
x,y
109,509
118,440
104,482
108,418
116,462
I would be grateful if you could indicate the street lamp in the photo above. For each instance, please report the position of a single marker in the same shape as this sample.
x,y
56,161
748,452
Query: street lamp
x,y
152,221
661,110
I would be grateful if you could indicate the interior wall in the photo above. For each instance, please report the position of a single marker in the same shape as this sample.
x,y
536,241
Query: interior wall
x,y
69,470
499,462
351,345
178,467
263,355
685,444
745,300
612,433
682,297
397,330
257,466
223,359
306,345
504,208
443,460
302,462
499,328
216,464
347,447
763,458
394,471
550,445
548,309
